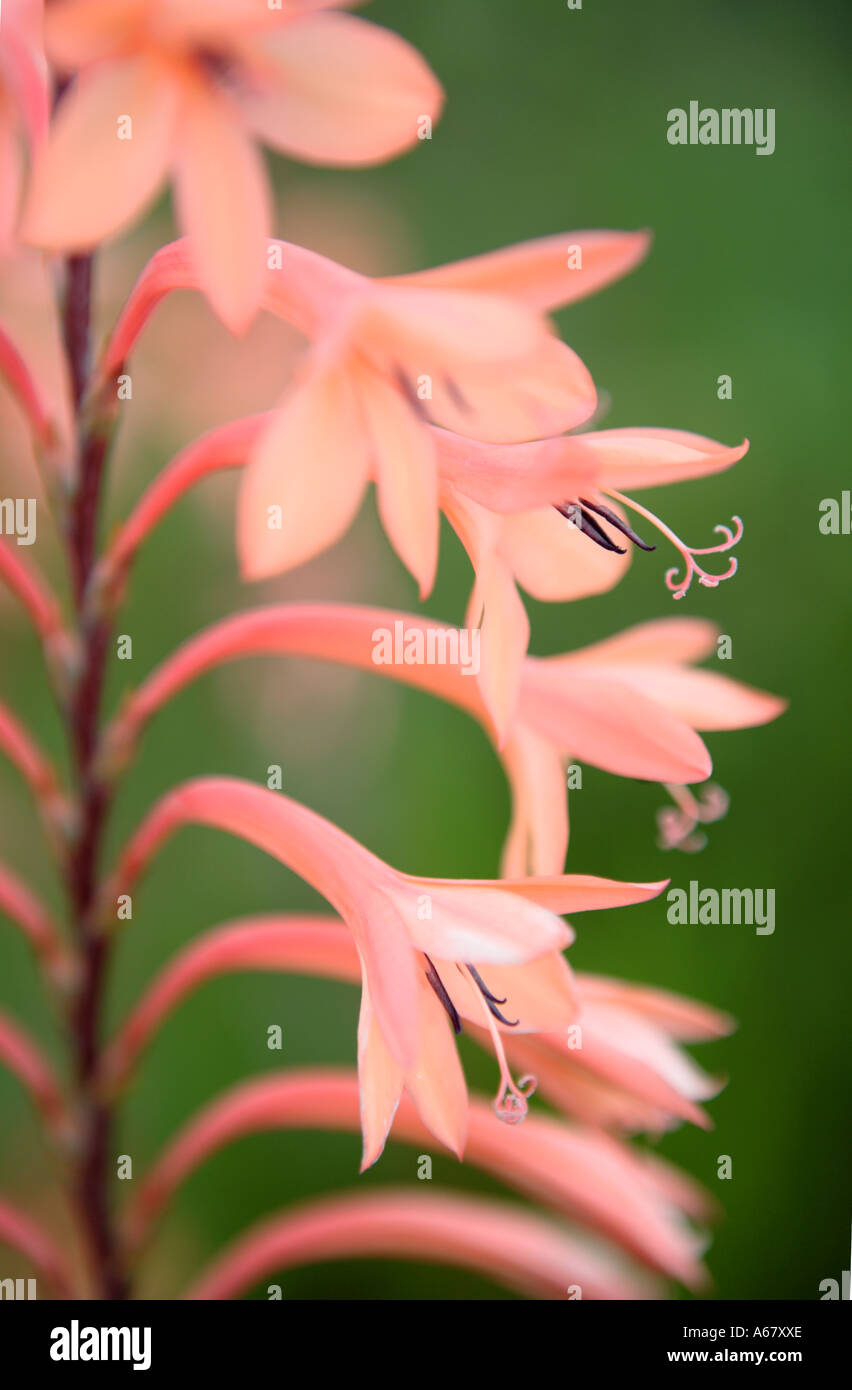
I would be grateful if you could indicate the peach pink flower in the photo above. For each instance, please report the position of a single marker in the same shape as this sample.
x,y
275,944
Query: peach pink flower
x,y
198,82
585,1176
422,944
387,356
631,704
604,1051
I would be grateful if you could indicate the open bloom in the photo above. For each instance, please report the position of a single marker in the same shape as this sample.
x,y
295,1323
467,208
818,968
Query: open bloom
x,y
546,548
422,943
631,704
603,1051
467,346
171,87
23,103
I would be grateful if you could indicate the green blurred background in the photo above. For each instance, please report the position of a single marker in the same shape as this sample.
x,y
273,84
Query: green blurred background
x,y
556,119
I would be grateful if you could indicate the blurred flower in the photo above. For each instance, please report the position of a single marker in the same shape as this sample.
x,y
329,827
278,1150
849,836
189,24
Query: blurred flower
x,y
170,87
24,102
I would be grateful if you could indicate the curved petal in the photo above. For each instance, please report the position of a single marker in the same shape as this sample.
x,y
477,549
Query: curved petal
x,y
403,464
663,640
87,182
705,699
609,723
538,835
336,89
637,458
548,272
379,1083
223,203
304,483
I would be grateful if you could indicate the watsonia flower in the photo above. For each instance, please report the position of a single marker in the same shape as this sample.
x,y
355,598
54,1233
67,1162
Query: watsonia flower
x,y
423,943
199,83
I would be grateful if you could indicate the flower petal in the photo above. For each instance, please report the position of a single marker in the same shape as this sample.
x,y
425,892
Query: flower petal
x,y
312,464
477,921
609,723
379,1083
554,561
336,89
223,203
637,458
403,461
87,182
538,835
547,272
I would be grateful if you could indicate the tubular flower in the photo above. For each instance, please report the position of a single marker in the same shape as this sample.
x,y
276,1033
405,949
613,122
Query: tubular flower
x,y
387,357
173,88
631,705
422,943
604,1051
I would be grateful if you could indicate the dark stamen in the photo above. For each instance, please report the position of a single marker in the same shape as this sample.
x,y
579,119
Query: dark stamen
x,y
410,394
483,986
595,532
440,989
615,520
491,999
452,389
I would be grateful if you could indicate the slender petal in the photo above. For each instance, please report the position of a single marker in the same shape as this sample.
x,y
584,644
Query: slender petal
x,y
306,477
89,180
223,202
546,273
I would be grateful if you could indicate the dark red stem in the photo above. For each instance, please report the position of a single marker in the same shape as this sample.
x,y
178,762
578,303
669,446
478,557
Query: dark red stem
x,y
93,1173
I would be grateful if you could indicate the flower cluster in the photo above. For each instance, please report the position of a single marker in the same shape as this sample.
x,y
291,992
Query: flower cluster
x,y
450,392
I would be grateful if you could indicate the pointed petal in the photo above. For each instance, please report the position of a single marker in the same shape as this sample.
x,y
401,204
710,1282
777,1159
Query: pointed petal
x,y
379,1083
223,203
87,182
312,464
403,461
706,700
663,640
575,892
437,1084
548,272
497,609
637,458
538,835
682,1018
609,723
336,89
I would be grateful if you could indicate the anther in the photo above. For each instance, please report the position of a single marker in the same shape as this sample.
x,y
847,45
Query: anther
x,y
440,989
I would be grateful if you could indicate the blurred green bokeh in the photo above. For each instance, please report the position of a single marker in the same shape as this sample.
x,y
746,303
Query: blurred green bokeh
x,y
556,119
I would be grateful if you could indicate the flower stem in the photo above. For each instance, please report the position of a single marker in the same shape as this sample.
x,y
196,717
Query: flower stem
x,y
92,1177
